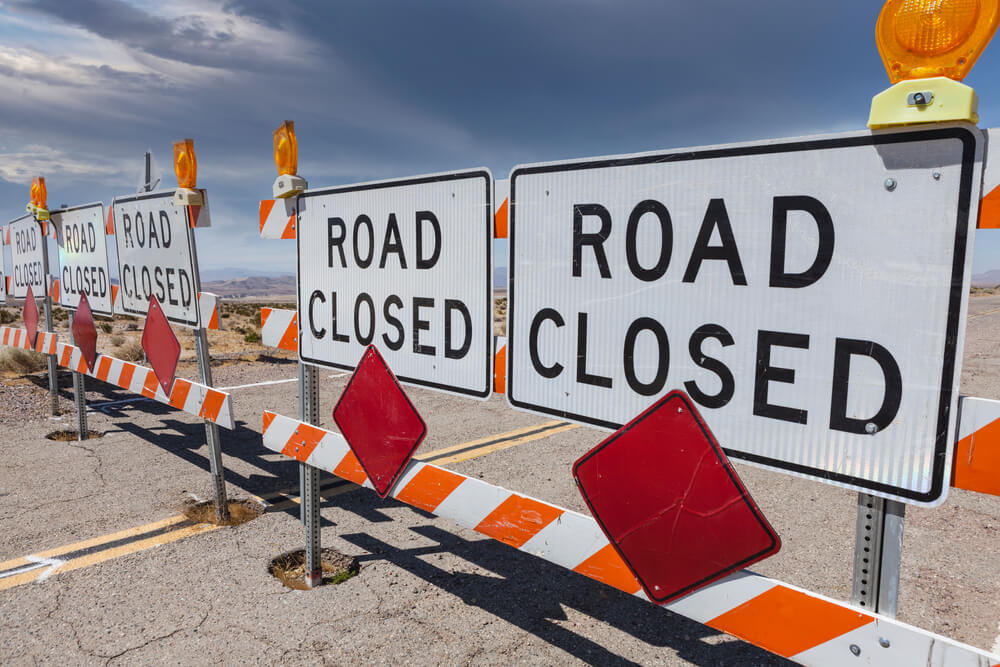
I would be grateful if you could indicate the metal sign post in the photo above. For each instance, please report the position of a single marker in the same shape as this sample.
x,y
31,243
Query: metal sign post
x,y
53,379
878,549
79,398
205,372
309,476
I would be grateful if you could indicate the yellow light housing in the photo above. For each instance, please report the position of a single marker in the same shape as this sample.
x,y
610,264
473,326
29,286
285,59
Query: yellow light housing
x,y
185,163
33,198
286,149
918,39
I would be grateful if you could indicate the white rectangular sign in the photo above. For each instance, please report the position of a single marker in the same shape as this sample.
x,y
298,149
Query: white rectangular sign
x,y
406,265
27,246
155,256
83,257
808,294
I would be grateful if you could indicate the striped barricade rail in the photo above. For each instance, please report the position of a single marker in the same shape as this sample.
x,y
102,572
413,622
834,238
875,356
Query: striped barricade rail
x,y
780,618
191,397
976,464
208,307
45,342
279,328
277,218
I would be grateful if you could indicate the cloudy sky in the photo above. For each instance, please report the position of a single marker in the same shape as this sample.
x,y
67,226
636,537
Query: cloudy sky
x,y
380,89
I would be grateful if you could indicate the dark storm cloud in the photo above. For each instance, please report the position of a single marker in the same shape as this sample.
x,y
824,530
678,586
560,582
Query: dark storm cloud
x,y
189,39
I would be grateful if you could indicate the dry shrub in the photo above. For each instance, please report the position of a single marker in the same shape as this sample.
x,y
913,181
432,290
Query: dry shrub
x,y
117,340
131,351
16,360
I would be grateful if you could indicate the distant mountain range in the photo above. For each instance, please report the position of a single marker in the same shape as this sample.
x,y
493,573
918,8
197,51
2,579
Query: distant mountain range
x,y
232,273
235,283
989,279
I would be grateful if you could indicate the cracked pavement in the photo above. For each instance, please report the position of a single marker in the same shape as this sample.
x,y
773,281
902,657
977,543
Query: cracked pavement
x,y
428,592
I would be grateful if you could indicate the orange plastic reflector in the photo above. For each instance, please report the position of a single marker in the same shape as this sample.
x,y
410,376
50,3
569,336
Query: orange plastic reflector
x,y
42,195
286,149
185,163
924,38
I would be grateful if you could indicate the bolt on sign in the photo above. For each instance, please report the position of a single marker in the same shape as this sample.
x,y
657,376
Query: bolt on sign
x,y
404,265
155,257
26,247
83,257
808,294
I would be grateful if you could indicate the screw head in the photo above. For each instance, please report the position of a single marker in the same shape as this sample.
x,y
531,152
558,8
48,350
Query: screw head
x,y
855,649
871,428
936,175
883,642
890,184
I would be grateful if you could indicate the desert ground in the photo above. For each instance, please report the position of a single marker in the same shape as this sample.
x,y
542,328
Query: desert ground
x,y
133,581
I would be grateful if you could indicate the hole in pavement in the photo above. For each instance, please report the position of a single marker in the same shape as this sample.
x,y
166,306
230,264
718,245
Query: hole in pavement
x,y
203,511
69,435
290,567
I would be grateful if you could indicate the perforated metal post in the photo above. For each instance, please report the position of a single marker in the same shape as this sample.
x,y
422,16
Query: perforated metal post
x,y
212,432
309,476
80,399
878,550
47,307
211,428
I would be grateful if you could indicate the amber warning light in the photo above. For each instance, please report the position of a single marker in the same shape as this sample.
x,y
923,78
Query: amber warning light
x,y
286,159
928,46
37,204
186,170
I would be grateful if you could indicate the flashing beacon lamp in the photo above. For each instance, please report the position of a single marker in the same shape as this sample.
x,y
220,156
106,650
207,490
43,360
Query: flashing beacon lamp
x,y
38,205
33,196
186,169
286,159
928,46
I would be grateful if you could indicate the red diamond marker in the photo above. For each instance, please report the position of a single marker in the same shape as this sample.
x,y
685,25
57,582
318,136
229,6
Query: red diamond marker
x,y
30,316
672,506
381,426
161,345
85,333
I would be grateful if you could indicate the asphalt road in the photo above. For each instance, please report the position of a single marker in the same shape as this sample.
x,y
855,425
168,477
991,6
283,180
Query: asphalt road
x,y
429,591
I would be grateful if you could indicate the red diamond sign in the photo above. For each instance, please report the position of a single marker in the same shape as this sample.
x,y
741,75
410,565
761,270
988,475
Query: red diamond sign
x,y
84,332
161,345
381,426
30,317
671,504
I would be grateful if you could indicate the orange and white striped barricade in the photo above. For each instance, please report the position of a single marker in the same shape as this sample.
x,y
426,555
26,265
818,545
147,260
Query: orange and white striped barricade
x,y
277,218
194,398
976,462
208,305
783,619
279,328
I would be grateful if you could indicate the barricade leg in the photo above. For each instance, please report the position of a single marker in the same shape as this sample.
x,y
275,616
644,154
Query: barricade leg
x,y
877,552
212,432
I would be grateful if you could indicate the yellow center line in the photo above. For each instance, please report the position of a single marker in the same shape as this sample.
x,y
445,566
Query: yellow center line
x,y
464,452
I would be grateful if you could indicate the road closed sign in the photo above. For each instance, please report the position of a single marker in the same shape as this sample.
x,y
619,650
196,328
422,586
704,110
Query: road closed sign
x,y
83,258
27,248
404,265
809,295
155,256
